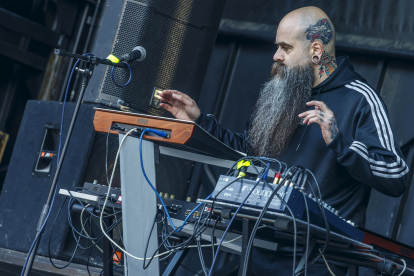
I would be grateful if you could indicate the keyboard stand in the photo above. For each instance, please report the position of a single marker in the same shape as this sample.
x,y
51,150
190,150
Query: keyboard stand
x,y
139,200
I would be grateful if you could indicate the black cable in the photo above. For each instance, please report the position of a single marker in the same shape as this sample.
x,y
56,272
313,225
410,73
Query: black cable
x,y
109,228
198,240
90,250
326,224
200,255
120,238
74,230
261,215
259,178
110,260
197,228
213,239
307,232
148,240
91,213
106,156
50,239
87,262
196,233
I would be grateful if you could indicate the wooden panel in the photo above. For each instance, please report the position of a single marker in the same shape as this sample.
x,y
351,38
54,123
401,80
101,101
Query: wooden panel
x,y
181,132
393,246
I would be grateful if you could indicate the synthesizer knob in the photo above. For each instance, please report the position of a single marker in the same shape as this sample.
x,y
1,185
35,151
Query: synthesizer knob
x,y
337,212
310,196
161,194
172,196
352,223
348,221
166,195
325,205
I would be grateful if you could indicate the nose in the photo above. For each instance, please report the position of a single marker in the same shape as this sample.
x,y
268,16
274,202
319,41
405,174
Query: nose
x,y
278,56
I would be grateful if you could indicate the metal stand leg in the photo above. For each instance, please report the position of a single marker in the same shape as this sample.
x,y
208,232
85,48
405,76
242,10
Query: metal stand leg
x,y
246,232
108,253
139,205
311,250
175,262
353,270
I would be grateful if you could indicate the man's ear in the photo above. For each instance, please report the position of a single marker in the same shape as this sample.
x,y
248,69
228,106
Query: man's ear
x,y
316,51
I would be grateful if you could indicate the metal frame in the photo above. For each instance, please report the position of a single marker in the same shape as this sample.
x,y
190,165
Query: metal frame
x,y
139,202
14,259
29,28
139,205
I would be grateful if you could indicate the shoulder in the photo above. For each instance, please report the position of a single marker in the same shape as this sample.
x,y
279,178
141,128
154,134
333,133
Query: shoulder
x,y
365,94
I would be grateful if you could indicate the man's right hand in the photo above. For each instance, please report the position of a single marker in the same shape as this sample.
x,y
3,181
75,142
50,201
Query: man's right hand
x,y
180,105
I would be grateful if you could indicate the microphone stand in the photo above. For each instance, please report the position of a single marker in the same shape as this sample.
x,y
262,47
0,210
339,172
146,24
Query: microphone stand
x,y
91,62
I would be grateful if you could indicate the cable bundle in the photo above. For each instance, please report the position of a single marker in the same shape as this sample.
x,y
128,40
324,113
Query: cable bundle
x,y
294,174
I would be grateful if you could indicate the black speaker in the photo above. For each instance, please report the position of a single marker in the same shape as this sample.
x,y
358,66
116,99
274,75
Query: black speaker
x,y
178,37
32,168
31,171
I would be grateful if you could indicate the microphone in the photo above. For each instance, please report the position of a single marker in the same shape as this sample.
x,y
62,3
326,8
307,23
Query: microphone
x,y
138,53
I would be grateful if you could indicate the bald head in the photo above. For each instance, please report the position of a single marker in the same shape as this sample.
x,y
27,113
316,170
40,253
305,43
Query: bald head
x,y
307,36
310,24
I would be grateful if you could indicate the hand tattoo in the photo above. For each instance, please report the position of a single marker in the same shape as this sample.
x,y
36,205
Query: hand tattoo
x,y
320,120
333,128
321,113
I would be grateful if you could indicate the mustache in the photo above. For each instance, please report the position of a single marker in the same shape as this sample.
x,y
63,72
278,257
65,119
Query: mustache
x,y
278,68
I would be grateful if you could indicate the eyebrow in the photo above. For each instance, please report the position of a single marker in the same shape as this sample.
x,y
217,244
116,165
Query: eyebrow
x,y
283,44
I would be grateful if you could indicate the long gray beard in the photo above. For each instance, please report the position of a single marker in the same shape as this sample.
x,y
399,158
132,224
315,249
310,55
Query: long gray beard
x,y
281,100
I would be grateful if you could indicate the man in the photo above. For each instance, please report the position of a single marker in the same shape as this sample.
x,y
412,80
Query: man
x,y
356,151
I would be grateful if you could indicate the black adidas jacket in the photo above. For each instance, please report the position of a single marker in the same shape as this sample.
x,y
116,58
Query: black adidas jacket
x,y
364,155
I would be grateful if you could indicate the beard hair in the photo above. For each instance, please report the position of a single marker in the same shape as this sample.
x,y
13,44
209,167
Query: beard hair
x,y
282,99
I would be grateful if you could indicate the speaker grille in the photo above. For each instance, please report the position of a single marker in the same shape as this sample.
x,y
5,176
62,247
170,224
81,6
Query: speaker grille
x,y
96,164
178,36
173,176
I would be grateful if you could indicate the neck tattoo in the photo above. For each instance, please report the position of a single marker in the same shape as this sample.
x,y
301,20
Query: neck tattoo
x,y
328,65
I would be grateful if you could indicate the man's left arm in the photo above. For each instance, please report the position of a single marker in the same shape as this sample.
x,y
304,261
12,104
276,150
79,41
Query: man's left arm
x,y
371,155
